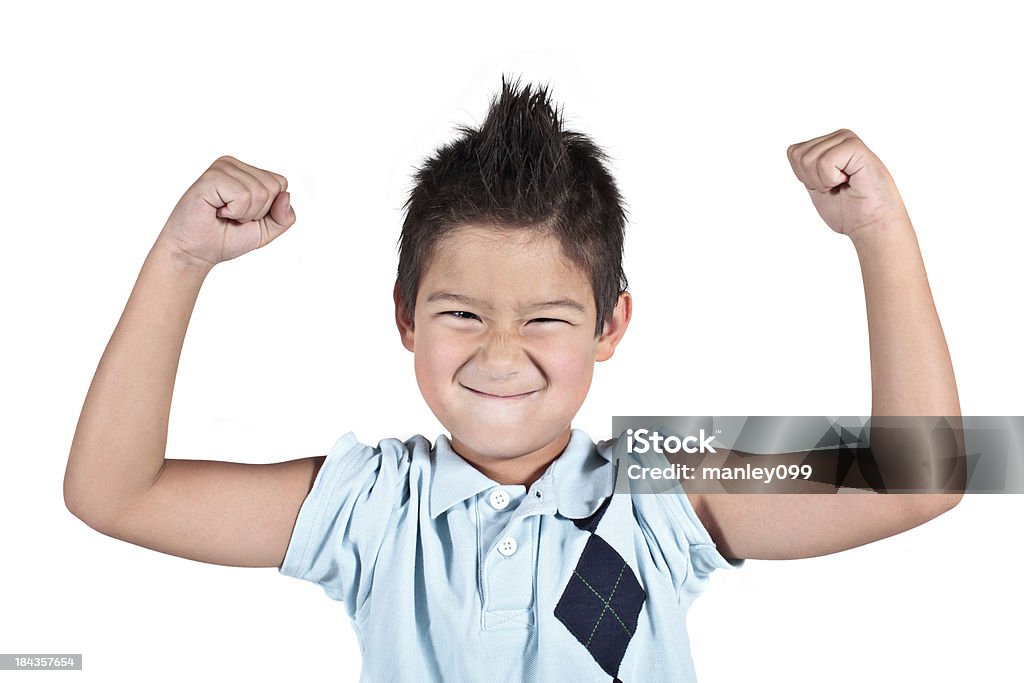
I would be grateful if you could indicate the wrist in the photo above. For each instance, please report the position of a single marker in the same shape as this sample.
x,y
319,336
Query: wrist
x,y
179,260
877,237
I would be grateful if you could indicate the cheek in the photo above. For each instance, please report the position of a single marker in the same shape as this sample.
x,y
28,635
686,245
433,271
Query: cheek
x,y
437,359
573,368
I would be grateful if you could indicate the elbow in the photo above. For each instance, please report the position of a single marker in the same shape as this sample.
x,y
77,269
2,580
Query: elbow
x,y
82,506
948,501
74,492
72,499
86,495
91,520
928,506
75,505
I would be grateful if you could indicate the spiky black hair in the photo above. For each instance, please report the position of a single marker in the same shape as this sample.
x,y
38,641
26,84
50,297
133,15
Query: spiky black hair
x,y
519,169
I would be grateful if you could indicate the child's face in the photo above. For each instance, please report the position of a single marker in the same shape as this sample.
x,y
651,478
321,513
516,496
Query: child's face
x,y
504,340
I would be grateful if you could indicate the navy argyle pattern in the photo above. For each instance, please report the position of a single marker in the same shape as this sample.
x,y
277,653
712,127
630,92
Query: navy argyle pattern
x,y
601,603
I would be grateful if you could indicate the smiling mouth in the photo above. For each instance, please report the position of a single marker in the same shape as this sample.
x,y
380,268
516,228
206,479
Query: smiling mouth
x,y
506,397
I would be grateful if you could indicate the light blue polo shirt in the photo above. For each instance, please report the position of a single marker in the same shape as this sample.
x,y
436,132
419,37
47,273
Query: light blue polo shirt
x,y
449,576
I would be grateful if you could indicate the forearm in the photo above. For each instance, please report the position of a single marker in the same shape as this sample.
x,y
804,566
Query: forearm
x,y
119,444
911,371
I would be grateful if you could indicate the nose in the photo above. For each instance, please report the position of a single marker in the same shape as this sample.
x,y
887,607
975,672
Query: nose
x,y
500,358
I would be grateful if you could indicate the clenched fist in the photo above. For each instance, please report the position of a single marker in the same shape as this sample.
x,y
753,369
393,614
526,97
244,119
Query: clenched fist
x,y
848,184
231,209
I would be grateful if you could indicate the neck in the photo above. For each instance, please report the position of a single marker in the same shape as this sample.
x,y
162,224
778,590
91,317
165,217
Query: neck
x,y
522,469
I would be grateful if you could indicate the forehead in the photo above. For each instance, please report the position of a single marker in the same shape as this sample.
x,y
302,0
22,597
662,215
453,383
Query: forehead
x,y
504,265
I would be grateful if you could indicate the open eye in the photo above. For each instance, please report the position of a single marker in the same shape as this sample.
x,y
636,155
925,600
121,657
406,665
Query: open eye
x,y
462,315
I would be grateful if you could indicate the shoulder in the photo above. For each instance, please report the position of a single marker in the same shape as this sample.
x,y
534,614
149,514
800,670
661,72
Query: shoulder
x,y
351,463
374,480
357,499
349,447
676,521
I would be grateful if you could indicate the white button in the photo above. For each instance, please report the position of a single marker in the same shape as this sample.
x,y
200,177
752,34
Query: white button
x,y
508,546
499,500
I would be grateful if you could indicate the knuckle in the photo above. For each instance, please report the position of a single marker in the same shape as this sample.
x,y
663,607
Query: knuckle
x,y
854,140
212,175
244,204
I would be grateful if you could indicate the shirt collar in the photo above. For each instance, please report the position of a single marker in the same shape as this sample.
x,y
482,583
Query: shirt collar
x,y
582,477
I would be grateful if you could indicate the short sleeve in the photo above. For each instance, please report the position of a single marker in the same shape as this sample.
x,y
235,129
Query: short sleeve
x,y
345,516
675,534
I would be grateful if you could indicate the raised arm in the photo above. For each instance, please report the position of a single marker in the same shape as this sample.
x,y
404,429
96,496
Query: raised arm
x,y
911,372
117,479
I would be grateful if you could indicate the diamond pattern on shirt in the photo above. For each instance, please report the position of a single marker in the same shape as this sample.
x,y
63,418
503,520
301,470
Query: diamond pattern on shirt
x,y
601,603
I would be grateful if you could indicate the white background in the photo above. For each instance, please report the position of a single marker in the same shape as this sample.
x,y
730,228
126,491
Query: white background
x,y
745,302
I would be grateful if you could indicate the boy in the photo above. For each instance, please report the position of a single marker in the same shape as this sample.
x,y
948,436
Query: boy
x,y
498,553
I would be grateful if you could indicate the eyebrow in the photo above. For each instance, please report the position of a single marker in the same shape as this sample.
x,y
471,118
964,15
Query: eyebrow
x,y
539,305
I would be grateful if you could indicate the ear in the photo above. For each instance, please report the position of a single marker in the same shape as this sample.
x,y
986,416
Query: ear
x,y
402,319
615,327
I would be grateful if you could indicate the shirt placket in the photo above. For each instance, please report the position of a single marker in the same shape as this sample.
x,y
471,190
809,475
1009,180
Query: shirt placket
x,y
508,562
